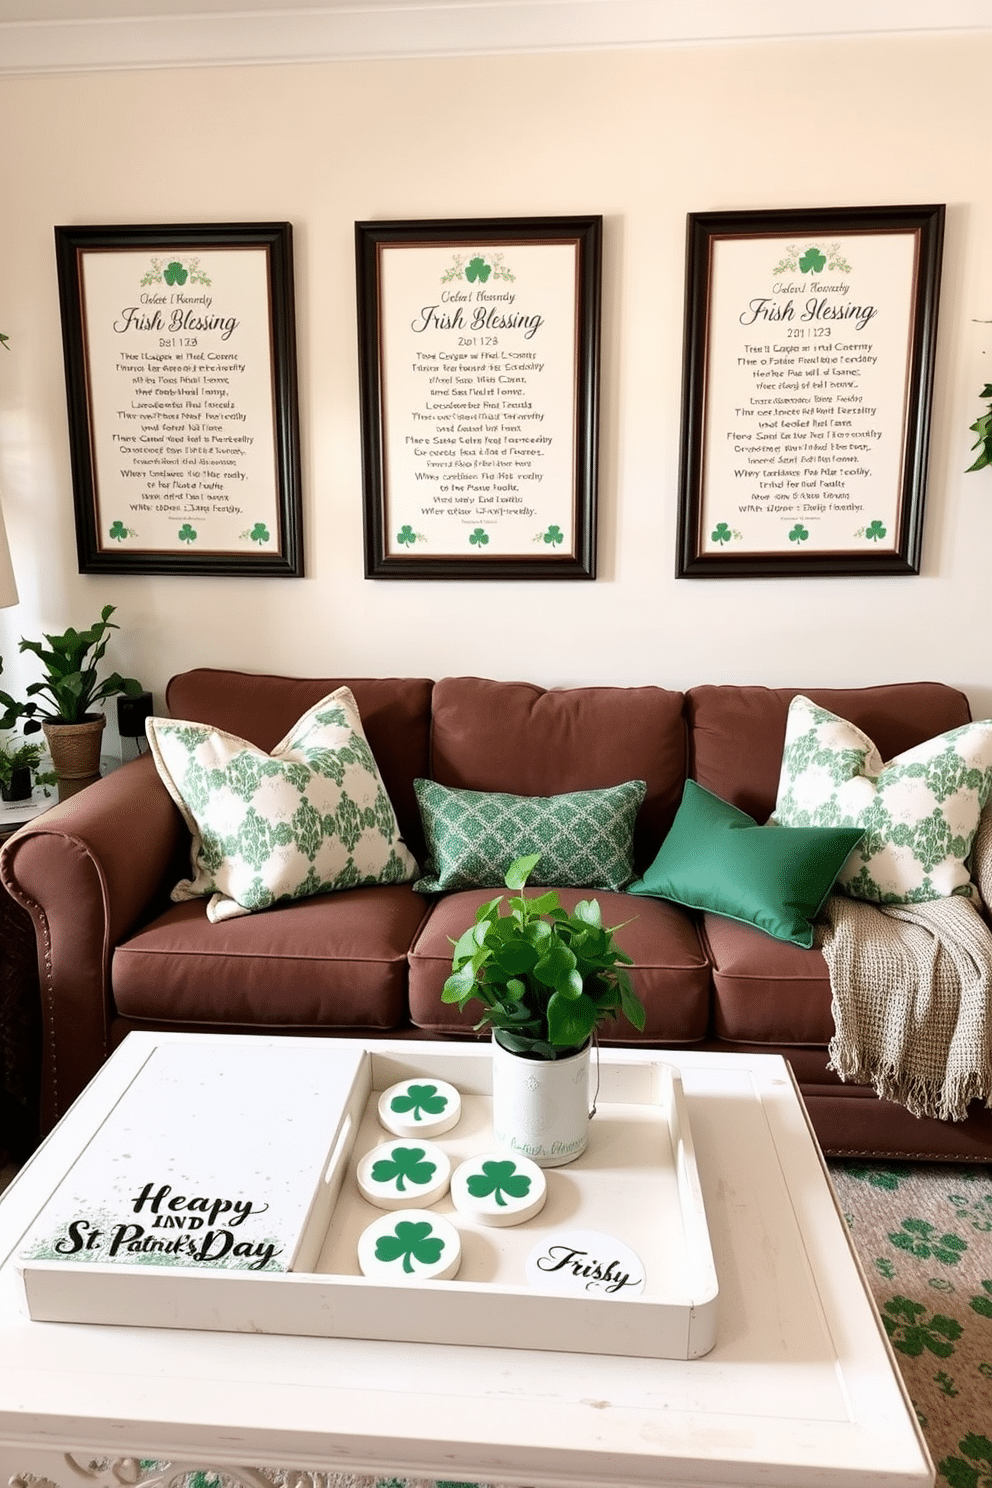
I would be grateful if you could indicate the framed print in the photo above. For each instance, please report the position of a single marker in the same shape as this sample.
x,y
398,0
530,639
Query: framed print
x,y
180,365
807,384
479,365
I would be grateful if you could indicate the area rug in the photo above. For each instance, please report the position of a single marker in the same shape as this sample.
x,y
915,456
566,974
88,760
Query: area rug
x,y
924,1237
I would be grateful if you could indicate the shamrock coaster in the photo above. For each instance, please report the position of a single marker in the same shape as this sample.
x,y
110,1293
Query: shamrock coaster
x,y
420,1107
417,1246
495,1189
404,1175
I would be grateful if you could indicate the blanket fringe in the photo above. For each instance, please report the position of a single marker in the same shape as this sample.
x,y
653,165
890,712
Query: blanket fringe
x,y
941,1099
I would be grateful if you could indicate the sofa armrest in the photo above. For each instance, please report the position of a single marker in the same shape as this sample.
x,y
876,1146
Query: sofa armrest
x,y
86,871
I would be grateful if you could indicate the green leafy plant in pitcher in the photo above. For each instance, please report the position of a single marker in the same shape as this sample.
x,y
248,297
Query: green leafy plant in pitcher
x,y
546,979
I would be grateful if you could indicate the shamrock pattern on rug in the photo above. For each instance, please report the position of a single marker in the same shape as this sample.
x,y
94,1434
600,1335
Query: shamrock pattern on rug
x,y
924,1237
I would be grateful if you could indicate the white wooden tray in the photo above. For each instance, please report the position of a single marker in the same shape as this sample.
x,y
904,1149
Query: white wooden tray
x,y
290,1139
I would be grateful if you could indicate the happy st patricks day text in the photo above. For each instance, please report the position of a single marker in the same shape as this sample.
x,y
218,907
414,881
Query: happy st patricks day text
x,y
207,1235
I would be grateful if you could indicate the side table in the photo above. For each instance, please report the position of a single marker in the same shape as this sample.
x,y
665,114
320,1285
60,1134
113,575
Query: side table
x,y
20,1007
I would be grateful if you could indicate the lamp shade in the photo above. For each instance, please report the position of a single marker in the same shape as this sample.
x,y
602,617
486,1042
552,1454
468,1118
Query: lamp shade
x,y
8,588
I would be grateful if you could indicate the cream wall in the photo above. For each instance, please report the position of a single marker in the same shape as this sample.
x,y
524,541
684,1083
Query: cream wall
x,y
642,137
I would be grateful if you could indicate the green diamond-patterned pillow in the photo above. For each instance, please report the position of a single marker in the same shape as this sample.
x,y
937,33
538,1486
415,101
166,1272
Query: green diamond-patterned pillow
x,y
311,817
920,811
585,838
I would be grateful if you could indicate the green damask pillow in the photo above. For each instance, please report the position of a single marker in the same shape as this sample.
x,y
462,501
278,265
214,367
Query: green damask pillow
x,y
717,858
920,811
585,838
310,817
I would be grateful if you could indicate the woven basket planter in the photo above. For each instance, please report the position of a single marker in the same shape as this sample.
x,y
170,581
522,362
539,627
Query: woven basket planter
x,y
75,751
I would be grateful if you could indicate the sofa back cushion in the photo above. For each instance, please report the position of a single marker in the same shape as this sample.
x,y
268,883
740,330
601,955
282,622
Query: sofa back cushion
x,y
737,734
395,714
525,740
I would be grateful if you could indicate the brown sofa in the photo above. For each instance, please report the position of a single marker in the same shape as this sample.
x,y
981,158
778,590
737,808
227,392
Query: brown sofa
x,y
115,954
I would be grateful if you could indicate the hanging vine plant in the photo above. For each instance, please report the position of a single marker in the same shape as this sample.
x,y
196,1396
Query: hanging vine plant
x,y
983,428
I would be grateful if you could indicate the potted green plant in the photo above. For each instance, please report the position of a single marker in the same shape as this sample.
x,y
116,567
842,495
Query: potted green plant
x,y
68,696
547,980
18,760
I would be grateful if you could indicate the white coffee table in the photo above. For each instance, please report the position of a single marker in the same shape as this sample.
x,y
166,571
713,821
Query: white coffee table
x,y
800,1389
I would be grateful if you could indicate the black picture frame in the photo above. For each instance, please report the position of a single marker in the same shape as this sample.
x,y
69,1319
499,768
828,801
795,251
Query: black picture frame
x,y
400,296
200,355
835,459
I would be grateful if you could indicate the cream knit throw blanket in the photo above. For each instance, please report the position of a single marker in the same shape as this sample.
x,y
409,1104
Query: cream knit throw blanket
x,y
912,994
912,1001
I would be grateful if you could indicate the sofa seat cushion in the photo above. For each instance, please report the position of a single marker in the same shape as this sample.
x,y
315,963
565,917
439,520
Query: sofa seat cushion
x,y
333,961
670,973
766,991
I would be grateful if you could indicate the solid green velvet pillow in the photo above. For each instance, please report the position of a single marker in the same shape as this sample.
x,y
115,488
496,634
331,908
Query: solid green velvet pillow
x,y
718,859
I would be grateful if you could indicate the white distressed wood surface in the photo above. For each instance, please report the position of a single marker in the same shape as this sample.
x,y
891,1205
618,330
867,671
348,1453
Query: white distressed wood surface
x,y
637,1178
799,1389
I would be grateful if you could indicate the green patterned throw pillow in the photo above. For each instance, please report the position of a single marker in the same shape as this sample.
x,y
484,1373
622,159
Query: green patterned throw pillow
x,y
311,817
585,838
920,811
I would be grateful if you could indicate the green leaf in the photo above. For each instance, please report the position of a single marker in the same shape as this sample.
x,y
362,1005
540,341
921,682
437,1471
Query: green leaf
x,y
520,870
543,903
570,1022
983,428
518,1043
513,959
555,965
633,1008
460,985
466,945
488,911
538,932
